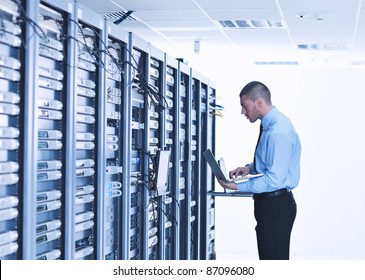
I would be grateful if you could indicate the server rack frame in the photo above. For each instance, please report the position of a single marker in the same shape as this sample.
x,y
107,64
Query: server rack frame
x,y
94,21
157,199
122,37
185,241
208,180
127,143
31,126
144,48
201,82
173,247
159,56
30,137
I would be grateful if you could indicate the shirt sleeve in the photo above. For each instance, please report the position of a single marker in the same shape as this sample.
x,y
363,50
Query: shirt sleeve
x,y
252,168
277,159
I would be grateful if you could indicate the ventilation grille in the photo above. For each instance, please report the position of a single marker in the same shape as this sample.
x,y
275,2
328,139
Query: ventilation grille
x,y
327,47
115,16
250,23
358,62
276,63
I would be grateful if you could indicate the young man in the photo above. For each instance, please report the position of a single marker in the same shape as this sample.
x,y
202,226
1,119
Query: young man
x,y
277,156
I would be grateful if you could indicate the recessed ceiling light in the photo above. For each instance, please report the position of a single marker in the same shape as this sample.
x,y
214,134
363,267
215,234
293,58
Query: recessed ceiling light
x,y
358,62
335,47
251,23
276,62
319,16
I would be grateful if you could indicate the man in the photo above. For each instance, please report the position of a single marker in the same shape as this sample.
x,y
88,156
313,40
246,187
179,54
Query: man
x,y
277,157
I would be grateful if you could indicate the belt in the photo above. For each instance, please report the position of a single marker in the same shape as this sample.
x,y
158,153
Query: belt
x,y
271,194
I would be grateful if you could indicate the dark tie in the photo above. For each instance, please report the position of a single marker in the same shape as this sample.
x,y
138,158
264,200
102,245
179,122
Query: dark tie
x,y
258,140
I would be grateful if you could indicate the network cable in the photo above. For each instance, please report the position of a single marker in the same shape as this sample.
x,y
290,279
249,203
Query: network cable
x,y
156,97
24,18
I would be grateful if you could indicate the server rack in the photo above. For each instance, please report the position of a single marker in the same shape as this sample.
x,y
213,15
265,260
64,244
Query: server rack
x,y
148,138
196,129
50,119
171,115
116,82
11,111
210,216
208,97
178,184
146,84
185,138
132,114
155,142
44,186
137,162
85,109
89,136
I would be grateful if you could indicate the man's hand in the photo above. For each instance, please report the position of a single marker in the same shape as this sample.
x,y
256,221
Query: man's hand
x,y
240,171
228,185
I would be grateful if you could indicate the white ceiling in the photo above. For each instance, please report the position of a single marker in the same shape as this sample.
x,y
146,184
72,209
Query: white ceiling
x,y
325,29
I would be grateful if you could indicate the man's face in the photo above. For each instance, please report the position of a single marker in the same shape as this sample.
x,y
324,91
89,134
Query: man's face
x,y
249,108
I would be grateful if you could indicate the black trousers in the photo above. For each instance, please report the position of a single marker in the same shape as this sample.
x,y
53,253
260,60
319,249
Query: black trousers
x,y
275,218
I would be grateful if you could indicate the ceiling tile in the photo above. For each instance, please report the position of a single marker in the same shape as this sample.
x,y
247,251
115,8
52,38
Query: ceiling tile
x,y
327,14
314,36
193,34
318,4
99,6
234,4
232,14
155,5
182,25
259,36
168,15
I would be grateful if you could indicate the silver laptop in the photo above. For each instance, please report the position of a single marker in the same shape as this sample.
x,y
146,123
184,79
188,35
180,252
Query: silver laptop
x,y
219,169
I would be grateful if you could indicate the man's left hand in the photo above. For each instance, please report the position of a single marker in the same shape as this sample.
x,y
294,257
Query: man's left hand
x,y
228,185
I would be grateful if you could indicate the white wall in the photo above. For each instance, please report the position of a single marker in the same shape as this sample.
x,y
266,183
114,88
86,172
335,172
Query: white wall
x,y
326,105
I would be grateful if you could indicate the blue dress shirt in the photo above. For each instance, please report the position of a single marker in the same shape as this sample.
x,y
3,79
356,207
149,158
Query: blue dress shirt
x,y
277,156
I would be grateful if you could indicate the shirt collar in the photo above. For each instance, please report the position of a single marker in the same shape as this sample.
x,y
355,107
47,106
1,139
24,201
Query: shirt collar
x,y
266,120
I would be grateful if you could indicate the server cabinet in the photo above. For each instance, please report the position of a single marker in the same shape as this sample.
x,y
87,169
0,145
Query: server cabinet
x,y
115,125
89,136
152,132
184,196
196,158
44,186
210,237
155,143
51,117
148,103
11,142
170,203
207,180
138,125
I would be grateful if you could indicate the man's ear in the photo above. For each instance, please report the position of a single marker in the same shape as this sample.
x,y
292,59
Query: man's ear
x,y
260,101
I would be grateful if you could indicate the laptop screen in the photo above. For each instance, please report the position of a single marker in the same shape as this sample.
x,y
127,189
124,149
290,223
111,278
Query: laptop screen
x,y
217,171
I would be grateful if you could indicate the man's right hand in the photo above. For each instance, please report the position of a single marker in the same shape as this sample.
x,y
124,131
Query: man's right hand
x,y
240,171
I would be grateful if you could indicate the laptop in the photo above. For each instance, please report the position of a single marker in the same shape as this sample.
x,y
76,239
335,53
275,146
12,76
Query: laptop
x,y
219,169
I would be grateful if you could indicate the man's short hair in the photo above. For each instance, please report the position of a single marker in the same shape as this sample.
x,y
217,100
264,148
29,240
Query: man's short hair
x,y
255,90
